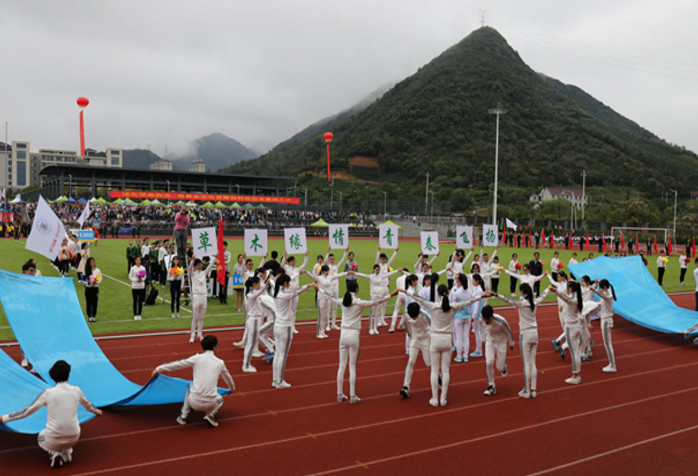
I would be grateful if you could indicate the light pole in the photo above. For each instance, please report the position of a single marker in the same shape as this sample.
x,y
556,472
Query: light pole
x,y
385,202
238,187
676,195
340,203
305,191
70,185
432,205
497,111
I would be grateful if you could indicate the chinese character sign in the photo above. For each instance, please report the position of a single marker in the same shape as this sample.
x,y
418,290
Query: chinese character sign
x,y
387,236
339,237
464,237
255,242
295,240
204,242
490,235
430,242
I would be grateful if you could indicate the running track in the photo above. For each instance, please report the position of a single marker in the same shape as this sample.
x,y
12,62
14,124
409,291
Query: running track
x,y
642,420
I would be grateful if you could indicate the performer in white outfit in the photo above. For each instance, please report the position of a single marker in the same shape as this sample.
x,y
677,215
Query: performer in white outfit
x,y
417,325
248,273
254,289
526,306
284,296
202,395
442,313
199,296
608,295
62,425
288,263
498,337
462,319
401,283
380,282
573,326
334,270
349,338
326,287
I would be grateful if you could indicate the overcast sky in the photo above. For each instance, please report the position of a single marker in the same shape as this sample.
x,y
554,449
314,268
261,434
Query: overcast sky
x,y
161,73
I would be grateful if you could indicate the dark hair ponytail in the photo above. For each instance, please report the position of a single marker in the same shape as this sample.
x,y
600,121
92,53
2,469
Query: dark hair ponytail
x,y
280,282
463,280
577,289
443,292
605,284
528,294
352,287
434,280
251,282
478,279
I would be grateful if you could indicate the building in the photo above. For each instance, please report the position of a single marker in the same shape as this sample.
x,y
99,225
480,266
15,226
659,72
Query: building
x,y
198,166
574,195
162,165
21,168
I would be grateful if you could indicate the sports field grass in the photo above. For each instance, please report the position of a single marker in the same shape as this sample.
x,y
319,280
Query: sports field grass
x,y
115,312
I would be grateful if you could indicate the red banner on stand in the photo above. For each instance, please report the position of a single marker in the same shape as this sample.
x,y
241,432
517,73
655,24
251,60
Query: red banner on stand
x,y
202,197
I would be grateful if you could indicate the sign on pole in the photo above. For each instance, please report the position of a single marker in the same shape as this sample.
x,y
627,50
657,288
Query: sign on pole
x,y
204,241
430,242
255,242
464,237
295,240
339,237
490,235
387,236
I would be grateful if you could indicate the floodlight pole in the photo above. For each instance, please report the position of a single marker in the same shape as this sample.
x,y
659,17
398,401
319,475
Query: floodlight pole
x,y
497,111
676,195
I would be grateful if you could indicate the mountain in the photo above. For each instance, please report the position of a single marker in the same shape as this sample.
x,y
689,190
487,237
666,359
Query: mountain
x,y
216,150
437,120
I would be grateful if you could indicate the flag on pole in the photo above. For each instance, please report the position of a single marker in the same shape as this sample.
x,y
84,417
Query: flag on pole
x,y
47,231
552,240
603,237
586,247
220,269
542,237
511,224
85,214
655,245
569,243
622,241
693,248
668,246
504,236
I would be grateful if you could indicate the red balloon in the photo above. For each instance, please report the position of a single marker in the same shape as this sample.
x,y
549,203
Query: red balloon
x,y
83,102
328,136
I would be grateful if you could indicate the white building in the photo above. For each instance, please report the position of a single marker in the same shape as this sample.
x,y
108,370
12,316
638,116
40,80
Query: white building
x,y
198,166
21,167
162,165
574,195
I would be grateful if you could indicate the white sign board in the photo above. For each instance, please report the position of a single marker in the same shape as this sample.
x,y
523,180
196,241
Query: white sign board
x,y
490,235
339,237
255,242
430,242
204,242
464,237
387,236
295,240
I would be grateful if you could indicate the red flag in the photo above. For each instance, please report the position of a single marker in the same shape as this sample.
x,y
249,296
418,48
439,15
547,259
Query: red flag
x,y
220,269
622,241
542,237
504,237
586,247
693,248
516,239
569,245
668,246
603,237
552,240
655,245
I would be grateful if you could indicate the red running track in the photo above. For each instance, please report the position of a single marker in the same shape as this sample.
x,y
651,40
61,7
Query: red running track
x,y
641,420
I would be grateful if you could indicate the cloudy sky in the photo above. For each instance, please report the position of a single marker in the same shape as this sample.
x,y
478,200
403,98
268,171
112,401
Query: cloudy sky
x,y
160,74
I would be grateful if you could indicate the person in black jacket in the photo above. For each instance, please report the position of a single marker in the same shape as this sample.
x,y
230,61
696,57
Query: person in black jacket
x,y
536,268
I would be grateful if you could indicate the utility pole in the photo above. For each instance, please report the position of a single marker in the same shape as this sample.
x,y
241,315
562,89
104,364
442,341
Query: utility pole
x,y
305,191
426,196
676,195
584,192
340,203
432,205
497,111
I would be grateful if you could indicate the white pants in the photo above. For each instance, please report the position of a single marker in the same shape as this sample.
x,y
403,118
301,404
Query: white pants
x,y
282,342
377,311
416,346
399,303
56,444
253,336
323,313
333,308
440,354
495,350
210,406
198,311
478,333
528,342
349,342
574,340
606,326
461,337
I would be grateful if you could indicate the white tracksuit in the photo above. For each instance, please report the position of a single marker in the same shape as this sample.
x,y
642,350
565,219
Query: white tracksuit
x,y
199,299
418,330
498,338
334,271
283,329
326,284
379,283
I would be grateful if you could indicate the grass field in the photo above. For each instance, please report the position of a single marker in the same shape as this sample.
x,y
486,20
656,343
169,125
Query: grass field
x,y
115,313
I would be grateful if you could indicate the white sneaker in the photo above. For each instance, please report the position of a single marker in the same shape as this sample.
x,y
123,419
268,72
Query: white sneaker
x,y
335,327
443,402
283,384
574,380
248,369
257,354
610,369
534,394
341,398
67,455
135,318
295,331
240,344
328,329
434,402
524,393
324,336
25,362
178,315
354,400
174,315
191,340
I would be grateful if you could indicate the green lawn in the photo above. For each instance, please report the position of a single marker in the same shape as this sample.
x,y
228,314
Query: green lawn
x,y
115,314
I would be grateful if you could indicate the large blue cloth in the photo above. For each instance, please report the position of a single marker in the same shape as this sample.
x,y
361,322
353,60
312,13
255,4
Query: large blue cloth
x,y
46,318
640,299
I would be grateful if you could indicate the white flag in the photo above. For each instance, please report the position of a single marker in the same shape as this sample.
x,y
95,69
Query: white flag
x,y
464,237
47,231
339,237
511,224
430,242
295,240
387,236
2,195
204,242
85,214
255,242
490,235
